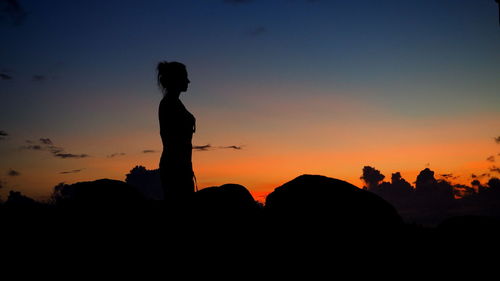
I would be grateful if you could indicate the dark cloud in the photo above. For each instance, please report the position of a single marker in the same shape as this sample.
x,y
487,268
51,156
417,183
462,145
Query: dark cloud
x,y
232,147
47,145
11,12
208,147
5,76
497,139
260,30
70,155
491,158
202,147
3,134
46,141
39,78
447,176
372,177
495,169
237,2
13,173
32,147
116,155
148,151
71,172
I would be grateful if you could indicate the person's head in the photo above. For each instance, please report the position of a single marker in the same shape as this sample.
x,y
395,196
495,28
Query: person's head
x,y
172,77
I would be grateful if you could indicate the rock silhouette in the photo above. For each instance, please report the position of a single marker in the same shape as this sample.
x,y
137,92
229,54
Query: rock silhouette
x,y
103,193
318,200
225,198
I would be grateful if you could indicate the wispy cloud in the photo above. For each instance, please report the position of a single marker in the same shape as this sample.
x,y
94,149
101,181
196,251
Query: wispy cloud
x,y
447,176
495,169
45,144
3,134
232,147
258,31
491,158
149,151
116,155
71,172
13,173
474,176
46,141
208,147
202,147
5,76
497,139
70,155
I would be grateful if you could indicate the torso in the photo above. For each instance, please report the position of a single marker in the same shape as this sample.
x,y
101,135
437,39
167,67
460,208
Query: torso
x,y
177,126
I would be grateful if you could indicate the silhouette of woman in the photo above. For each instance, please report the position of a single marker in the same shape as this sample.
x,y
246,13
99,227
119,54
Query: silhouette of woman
x,y
177,126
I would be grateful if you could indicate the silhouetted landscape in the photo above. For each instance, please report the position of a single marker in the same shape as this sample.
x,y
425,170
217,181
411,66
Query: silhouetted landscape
x,y
308,123
312,205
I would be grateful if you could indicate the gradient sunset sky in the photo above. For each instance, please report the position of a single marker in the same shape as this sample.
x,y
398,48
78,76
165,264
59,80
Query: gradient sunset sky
x,y
319,87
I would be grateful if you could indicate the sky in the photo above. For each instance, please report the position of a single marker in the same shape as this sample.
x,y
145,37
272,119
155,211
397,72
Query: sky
x,y
301,87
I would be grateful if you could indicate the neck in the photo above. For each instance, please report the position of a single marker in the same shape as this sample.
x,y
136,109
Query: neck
x,y
173,94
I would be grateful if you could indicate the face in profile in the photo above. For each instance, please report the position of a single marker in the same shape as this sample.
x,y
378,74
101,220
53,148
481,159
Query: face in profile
x,y
173,77
184,82
180,82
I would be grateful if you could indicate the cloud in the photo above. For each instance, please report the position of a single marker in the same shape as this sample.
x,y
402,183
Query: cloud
x,y
202,147
148,151
237,2
39,78
232,147
497,139
11,12
491,158
71,172
495,169
260,30
70,155
447,176
46,141
3,134
116,155
5,76
32,147
13,173
47,145
372,177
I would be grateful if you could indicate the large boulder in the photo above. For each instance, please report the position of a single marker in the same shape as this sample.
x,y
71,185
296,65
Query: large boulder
x,y
103,193
227,198
318,201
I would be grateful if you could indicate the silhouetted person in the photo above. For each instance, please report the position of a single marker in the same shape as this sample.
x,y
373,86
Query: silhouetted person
x,y
177,126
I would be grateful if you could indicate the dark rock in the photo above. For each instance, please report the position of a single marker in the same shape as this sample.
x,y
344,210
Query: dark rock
x,y
227,197
318,201
103,193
